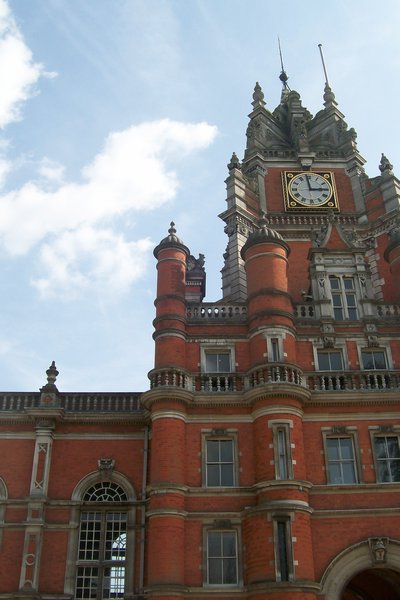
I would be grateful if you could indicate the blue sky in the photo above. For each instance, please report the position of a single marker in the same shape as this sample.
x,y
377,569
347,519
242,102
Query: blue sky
x,y
119,116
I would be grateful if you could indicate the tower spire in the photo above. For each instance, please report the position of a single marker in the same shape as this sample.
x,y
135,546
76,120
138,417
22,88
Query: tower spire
x,y
329,96
283,76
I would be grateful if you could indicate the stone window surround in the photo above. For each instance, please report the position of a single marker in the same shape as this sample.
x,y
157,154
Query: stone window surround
x,y
219,434
344,431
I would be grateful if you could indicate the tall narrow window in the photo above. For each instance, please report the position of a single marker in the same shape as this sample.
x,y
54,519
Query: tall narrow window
x,y
387,458
102,545
282,450
220,469
344,299
283,549
275,350
341,460
222,557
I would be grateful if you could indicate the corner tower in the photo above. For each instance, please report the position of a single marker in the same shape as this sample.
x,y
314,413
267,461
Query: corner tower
x,y
275,410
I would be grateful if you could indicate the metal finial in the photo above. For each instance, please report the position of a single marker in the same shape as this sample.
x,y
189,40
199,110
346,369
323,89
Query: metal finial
x,y
52,373
323,64
283,75
172,229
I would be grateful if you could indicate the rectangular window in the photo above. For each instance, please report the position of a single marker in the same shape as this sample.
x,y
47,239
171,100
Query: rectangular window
x,y
275,350
341,460
373,359
220,466
344,298
282,450
387,458
330,361
218,362
222,558
283,549
101,555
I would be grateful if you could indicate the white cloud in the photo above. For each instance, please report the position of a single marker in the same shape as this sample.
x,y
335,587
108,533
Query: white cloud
x,y
18,72
51,170
86,259
132,173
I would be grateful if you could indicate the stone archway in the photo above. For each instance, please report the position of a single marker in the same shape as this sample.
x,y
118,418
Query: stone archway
x,y
354,574
373,584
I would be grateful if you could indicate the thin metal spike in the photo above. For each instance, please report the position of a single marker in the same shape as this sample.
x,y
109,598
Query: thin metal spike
x,y
323,64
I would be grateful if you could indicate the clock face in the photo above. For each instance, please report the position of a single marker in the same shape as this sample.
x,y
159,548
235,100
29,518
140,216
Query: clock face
x,y
309,190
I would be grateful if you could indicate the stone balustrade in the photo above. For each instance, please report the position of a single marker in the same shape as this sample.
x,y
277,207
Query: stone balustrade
x,y
353,381
208,311
84,402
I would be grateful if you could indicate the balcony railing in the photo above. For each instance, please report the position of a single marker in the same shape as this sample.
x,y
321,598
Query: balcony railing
x,y
226,382
85,402
308,311
318,381
353,381
209,311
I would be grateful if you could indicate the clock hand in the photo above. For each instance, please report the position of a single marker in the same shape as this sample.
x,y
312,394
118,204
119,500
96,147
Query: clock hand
x,y
308,183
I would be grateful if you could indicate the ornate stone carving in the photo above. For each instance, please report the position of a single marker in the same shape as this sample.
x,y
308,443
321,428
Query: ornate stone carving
x,y
339,429
378,548
106,465
385,165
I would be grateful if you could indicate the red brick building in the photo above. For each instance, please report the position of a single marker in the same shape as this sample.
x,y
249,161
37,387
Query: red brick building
x,y
264,461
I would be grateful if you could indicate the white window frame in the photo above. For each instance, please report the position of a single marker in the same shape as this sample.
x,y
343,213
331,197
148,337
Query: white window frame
x,y
342,433
221,530
81,506
279,336
285,520
220,436
221,348
376,433
282,453
342,292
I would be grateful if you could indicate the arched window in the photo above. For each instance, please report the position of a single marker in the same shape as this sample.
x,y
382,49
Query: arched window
x,y
101,560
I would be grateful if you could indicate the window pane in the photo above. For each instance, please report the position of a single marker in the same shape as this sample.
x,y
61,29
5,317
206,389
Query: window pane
x,y
335,473
323,361
226,450
349,475
211,363
282,451
213,450
229,543
332,446
337,300
224,363
346,447
283,556
351,300
222,557
86,582
214,543
367,360
227,475
380,360
229,574
393,447
336,361
213,475
383,472
215,570
395,470
380,446
348,283
335,284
